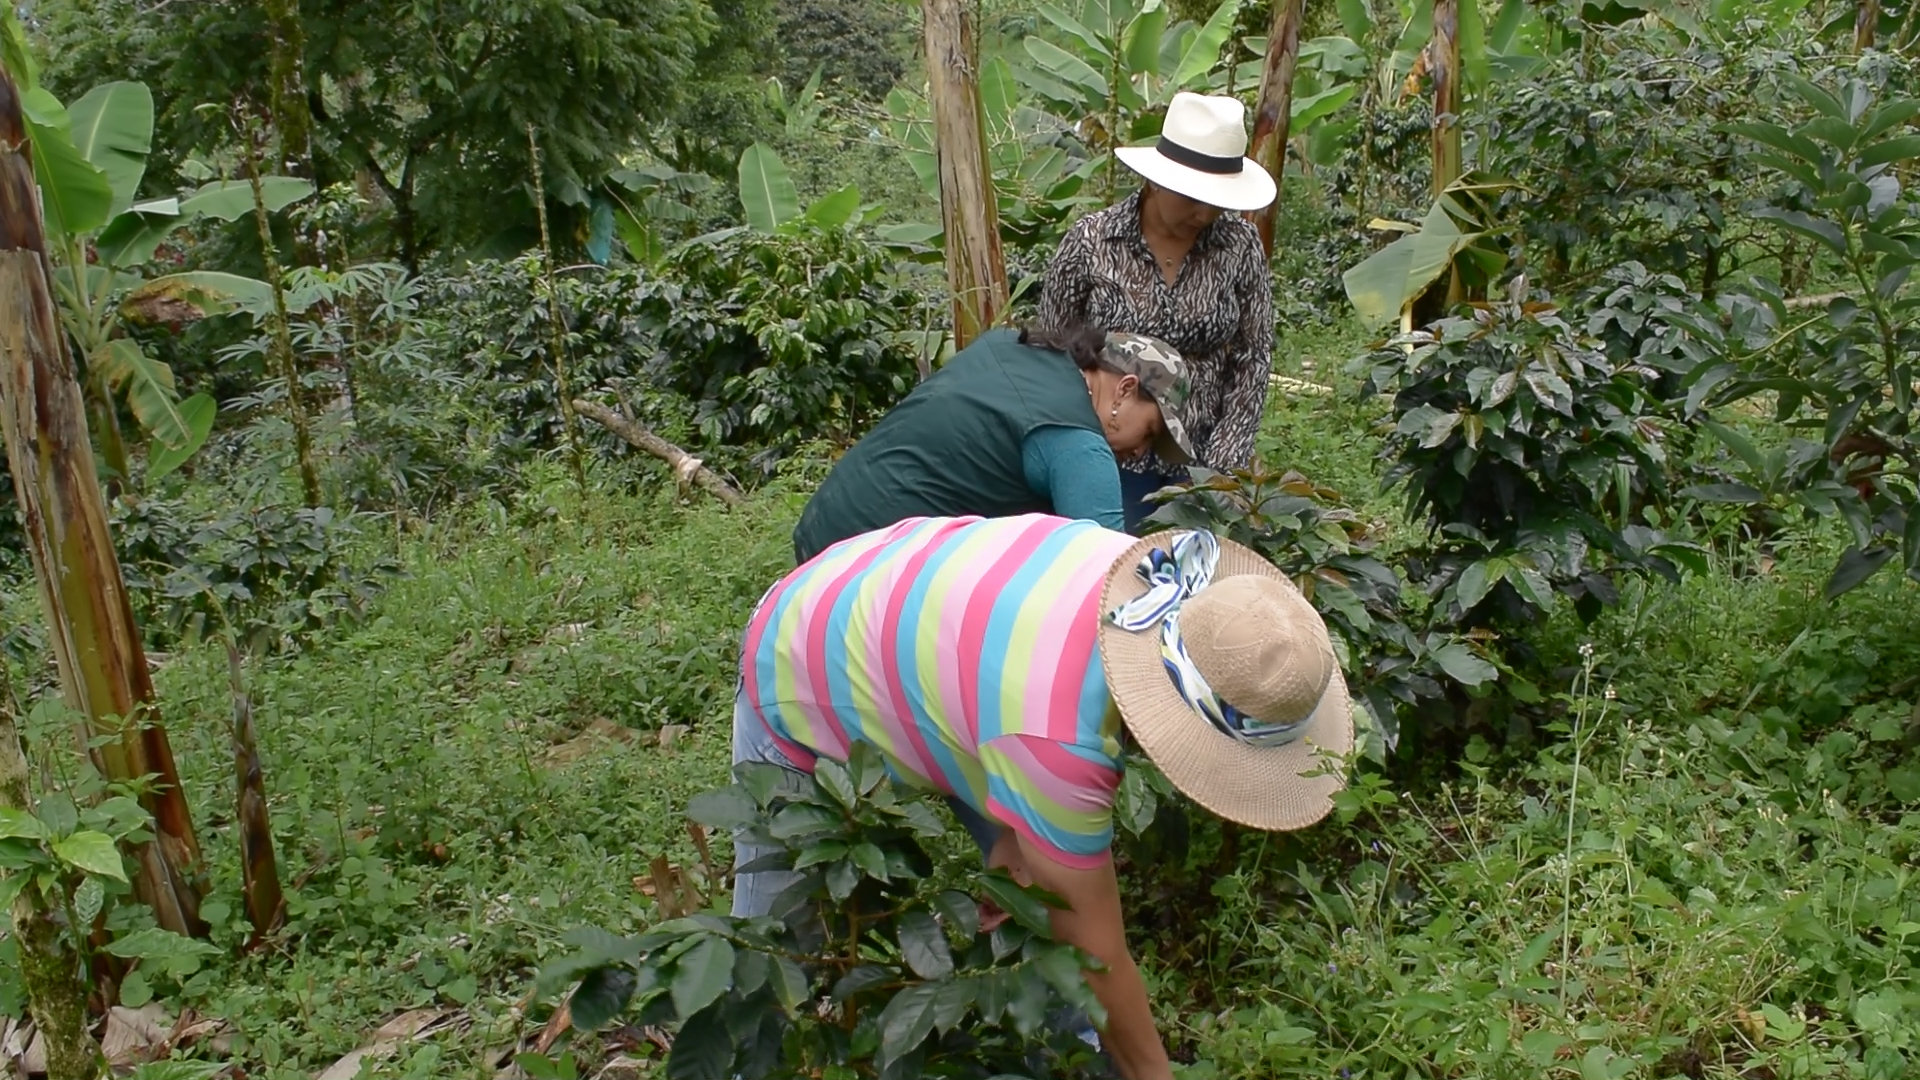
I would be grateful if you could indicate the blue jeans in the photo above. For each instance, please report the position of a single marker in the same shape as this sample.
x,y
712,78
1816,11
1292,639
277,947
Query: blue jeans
x,y
754,893
1134,489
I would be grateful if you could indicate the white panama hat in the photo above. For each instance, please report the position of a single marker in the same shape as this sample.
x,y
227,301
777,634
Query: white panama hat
x,y
1202,154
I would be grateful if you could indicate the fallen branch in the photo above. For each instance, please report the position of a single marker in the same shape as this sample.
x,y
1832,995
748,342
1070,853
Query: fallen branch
x,y
686,468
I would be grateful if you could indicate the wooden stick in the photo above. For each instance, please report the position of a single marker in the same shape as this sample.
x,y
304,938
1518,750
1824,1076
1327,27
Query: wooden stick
x,y
686,467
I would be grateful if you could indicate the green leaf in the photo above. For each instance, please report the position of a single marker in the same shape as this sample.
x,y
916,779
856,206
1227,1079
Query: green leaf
x,y
75,196
906,1022
229,200
1140,44
834,779
1069,69
600,997
1076,28
1813,95
15,56
962,912
1473,43
789,983
701,974
703,1049
164,947
1826,232
924,945
1203,52
1506,26
1856,566
198,413
1355,19
766,189
1796,146
1904,148
835,210
1477,580
1312,108
1391,278
1025,908
1458,661
864,977
113,129
130,239
19,823
1535,952
93,852
135,991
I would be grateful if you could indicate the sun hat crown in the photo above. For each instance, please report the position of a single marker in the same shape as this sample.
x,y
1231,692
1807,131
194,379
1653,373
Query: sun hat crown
x,y
1261,646
1202,154
1213,126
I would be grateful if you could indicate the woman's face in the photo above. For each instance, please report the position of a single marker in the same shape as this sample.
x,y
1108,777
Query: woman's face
x,y
1131,419
1180,215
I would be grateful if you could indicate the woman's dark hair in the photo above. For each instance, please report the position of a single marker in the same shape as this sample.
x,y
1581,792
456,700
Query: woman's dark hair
x,y
1086,345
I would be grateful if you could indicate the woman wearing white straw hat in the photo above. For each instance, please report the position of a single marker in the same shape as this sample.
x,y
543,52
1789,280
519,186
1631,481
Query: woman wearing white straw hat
x,y
1170,262
1008,663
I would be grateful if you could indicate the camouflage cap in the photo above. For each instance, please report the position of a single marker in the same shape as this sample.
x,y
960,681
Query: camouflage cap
x,y
1163,376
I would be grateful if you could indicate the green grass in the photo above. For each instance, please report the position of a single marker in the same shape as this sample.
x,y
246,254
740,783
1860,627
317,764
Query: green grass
x,y
1727,890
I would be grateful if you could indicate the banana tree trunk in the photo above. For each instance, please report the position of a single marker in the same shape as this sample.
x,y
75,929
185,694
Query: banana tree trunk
x,y
259,870
1445,69
103,669
1274,115
976,270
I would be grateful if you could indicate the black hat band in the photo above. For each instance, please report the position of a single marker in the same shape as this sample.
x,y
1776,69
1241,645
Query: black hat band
x,y
1194,159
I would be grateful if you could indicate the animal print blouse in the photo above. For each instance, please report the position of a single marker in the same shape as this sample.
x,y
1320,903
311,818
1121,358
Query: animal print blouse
x,y
1218,313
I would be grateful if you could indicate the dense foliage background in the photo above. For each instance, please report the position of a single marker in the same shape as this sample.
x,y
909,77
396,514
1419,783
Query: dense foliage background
x,y
1619,552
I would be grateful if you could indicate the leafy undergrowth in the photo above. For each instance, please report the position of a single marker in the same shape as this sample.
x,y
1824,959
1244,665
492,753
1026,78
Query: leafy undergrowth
x,y
1705,873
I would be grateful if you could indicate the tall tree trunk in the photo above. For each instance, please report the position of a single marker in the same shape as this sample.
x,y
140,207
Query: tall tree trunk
x,y
103,668
1273,117
49,965
556,328
281,343
1866,23
976,270
1445,69
287,91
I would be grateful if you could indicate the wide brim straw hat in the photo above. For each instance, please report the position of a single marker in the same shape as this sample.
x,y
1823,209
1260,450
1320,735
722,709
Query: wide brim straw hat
x,y
1255,638
1202,154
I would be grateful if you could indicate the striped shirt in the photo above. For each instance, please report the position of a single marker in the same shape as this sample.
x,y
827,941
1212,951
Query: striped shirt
x,y
964,650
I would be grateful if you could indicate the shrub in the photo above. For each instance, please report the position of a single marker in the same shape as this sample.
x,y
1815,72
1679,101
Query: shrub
x,y
739,341
1529,454
1391,662
905,983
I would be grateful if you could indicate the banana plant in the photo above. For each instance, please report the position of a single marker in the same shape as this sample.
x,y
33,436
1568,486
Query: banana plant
x,y
772,203
1452,237
89,161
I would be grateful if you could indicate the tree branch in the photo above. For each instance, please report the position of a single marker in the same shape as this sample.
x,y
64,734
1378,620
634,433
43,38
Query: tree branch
x,y
686,467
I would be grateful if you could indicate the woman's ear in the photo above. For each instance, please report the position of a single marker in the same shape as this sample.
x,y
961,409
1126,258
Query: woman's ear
x,y
1129,386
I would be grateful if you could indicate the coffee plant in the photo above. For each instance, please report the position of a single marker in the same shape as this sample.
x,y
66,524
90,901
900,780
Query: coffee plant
x,y
1841,367
1391,661
866,967
1530,456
